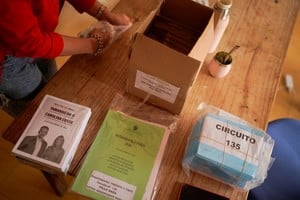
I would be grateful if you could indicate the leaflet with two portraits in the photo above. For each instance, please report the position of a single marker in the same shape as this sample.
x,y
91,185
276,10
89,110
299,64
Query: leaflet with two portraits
x,y
51,138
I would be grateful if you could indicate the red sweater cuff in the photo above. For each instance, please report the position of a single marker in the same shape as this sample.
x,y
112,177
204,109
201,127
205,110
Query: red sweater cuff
x,y
57,45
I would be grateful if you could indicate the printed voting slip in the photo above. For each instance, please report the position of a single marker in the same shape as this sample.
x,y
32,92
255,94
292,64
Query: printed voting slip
x,y
124,159
51,138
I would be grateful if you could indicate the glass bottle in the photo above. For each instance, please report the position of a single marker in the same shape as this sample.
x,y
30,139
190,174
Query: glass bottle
x,y
221,20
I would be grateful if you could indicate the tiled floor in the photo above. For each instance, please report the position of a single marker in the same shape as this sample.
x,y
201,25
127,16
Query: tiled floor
x,y
18,181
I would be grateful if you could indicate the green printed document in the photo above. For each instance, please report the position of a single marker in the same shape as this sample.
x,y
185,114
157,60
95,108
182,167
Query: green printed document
x,y
123,160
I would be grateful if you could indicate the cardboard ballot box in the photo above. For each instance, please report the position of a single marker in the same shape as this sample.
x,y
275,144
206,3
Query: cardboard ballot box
x,y
168,51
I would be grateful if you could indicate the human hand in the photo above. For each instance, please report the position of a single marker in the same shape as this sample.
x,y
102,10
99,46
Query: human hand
x,y
105,32
117,18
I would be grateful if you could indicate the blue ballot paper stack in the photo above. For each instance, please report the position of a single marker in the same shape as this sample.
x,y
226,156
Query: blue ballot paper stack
x,y
230,151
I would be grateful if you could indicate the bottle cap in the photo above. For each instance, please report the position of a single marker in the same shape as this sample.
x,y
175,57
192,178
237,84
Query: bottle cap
x,y
224,4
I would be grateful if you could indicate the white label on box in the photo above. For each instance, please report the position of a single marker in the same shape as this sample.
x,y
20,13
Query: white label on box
x,y
232,139
110,187
156,86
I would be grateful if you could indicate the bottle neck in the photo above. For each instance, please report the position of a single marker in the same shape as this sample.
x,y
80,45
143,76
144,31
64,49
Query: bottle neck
x,y
222,9
225,14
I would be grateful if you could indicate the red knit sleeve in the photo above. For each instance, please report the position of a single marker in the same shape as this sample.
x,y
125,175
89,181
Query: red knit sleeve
x,y
82,6
25,34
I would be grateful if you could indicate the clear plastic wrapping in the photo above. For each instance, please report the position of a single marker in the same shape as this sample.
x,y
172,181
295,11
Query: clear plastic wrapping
x,y
124,160
114,31
228,149
143,110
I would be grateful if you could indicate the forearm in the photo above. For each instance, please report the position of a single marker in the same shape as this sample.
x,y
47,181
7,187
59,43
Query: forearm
x,y
91,45
95,8
100,12
73,46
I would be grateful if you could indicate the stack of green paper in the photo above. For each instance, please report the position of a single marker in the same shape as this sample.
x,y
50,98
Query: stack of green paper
x,y
123,160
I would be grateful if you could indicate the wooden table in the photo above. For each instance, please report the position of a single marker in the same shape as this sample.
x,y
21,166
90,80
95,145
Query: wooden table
x,y
262,28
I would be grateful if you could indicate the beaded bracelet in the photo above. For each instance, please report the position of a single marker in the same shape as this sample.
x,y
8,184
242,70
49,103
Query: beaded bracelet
x,y
100,11
100,44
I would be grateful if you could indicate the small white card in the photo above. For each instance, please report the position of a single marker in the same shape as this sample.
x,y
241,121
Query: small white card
x,y
156,86
110,187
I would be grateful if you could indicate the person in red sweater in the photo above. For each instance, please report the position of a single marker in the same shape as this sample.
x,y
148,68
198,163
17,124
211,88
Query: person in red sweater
x,y
28,41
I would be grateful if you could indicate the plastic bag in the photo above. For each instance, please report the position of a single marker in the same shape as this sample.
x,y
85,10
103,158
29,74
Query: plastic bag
x,y
138,108
124,160
114,30
228,149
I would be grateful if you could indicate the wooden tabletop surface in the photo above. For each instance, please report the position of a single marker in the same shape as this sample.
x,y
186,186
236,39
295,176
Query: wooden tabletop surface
x,y
262,28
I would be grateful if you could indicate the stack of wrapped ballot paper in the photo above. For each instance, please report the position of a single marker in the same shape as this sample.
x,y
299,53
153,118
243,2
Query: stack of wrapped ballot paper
x,y
230,151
